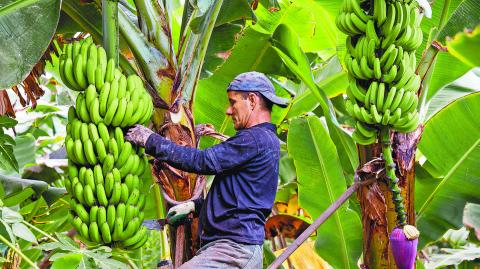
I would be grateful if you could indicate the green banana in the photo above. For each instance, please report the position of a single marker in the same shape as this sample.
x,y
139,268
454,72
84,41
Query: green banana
x,y
78,152
124,193
104,98
88,195
101,195
113,148
93,132
98,174
90,179
105,230
109,182
116,193
103,132
78,190
108,163
111,112
102,215
89,152
111,215
139,235
82,213
101,150
78,72
120,113
94,233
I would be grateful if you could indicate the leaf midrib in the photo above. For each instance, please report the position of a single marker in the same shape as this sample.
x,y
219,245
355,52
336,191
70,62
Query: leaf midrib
x,y
16,5
446,178
332,199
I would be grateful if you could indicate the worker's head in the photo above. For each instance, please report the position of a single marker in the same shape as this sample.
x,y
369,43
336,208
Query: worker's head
x,y
251,96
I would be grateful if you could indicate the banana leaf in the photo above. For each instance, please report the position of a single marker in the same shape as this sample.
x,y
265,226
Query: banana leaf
x,y
26,28
17,190
451,145
464,46
320,182
447,68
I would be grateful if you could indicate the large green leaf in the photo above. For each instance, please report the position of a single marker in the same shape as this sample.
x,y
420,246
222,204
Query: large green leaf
x,y
16,190
469,83
332,79
24,151
451,145
220,46
68,261
252,52
466,15
320,183
26,28
464,46
447,68
286,45
316,28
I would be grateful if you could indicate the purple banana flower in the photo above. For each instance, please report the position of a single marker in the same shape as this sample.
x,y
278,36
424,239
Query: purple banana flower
x,y
404,251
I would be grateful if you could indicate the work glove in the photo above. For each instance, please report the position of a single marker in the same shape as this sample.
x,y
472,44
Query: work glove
x,y
180,212
138,135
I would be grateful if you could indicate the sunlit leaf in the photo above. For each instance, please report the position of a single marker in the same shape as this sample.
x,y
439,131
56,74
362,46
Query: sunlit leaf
x,y
66,261
464,46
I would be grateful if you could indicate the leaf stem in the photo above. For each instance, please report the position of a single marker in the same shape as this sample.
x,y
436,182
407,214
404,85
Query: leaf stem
x,y
39,230
110,28
18,251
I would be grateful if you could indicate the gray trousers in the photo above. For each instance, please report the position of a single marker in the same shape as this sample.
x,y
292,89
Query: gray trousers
x,y
225,253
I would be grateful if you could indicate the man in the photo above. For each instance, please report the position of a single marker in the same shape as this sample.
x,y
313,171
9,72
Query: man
x,y
232,216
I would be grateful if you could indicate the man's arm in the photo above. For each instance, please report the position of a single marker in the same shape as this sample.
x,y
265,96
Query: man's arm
x,y
214,160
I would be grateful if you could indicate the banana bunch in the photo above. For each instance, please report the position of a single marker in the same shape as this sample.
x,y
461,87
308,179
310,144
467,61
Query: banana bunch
x,y
380,59
104,170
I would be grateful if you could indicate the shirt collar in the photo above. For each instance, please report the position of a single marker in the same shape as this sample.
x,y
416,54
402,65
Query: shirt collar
x,y
266,125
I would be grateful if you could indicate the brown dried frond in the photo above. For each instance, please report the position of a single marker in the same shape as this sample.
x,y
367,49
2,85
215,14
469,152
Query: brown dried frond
x,y
5,105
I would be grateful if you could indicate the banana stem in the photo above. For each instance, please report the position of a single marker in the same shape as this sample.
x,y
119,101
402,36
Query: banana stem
x,y
391,177
19,252
110,28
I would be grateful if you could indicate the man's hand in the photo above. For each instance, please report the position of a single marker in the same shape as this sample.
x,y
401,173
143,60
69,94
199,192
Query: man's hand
x,y
138,135
180,212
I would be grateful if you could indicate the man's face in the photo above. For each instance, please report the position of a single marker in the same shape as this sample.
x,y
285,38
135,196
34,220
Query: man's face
x,y
239,109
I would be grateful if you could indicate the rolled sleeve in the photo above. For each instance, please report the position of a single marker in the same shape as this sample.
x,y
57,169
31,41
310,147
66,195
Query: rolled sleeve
x,y
227,155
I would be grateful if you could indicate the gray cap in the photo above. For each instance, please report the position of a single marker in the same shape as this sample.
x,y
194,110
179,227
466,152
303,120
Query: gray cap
x,y
256,82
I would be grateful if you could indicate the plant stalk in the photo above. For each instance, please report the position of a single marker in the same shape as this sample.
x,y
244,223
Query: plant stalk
x,y
19,252
110,28
151,62
152,21
391,177
71,10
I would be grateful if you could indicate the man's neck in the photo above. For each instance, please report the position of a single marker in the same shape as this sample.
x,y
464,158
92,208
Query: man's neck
x,y
259,119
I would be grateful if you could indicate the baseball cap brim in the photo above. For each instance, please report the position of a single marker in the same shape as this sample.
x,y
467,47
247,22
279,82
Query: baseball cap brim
x,y
279,101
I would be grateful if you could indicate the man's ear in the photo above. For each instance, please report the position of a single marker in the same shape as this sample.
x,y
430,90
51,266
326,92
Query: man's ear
x,y
252,97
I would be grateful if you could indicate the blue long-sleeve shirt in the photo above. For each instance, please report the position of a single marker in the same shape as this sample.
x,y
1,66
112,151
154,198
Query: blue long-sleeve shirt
x,y
243,190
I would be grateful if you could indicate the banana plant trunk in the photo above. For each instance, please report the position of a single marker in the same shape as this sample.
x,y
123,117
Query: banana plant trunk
x,y
378,211
178,185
